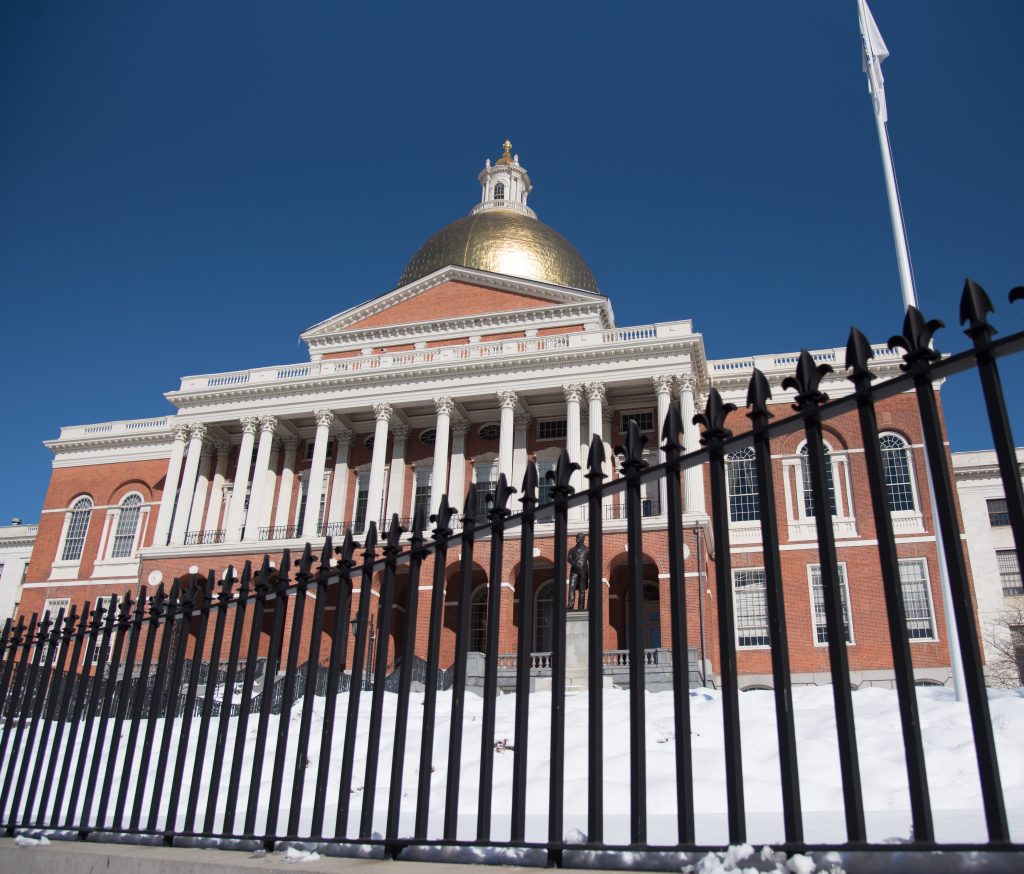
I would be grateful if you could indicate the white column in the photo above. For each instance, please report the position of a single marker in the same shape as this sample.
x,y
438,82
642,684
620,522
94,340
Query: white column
x,y
202,488
457,475
215,504
197,433
439,477
163,519
573,394
609,458
396,482
693,478
508,401
595,410
383,413
268,425
324,419
339,488
520,456
266,514
284,494
663,389
237,507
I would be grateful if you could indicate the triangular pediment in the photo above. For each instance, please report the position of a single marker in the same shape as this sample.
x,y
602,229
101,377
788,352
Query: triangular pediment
x,y
455,296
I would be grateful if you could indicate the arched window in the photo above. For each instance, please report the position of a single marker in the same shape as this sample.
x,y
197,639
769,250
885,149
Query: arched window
x,y
127,525
899,490
78,524
805,467
499,191
743,486
478,620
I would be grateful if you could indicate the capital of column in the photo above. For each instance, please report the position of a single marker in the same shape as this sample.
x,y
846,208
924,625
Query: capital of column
x,y
508,400
323,417
198,430
460,427
596,391
662,384
444,406
268,423
522,420
290,441
344,437
573,392
223,447
181,431
400,432
686,383
206,451
250,424
383,411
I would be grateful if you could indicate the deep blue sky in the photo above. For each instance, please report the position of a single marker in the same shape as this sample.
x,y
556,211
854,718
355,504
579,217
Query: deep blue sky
x,y
184,187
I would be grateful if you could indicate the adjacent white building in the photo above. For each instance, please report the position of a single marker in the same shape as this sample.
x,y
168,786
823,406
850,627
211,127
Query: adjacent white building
x,y
16,541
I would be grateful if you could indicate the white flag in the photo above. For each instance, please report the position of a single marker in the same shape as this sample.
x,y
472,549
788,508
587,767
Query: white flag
x,y
874,53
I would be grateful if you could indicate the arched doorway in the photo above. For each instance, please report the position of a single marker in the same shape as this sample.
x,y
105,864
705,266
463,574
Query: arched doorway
x,y
619,604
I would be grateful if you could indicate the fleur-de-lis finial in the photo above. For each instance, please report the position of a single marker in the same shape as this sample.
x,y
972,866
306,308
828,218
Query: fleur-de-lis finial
x,y
498,500
346,551
975,306
672,432
759,392
560,476
806,381
916,340
858,353
419,523
125,611
370,544
469,513
156,605
713,419
529,498
595,460
442,520
324,568
633,451
393,545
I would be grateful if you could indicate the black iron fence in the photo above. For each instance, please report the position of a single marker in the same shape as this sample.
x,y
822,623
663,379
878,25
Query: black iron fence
x,y
114,724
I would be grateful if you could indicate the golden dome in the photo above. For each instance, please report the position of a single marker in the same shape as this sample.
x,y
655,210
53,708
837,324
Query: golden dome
x,y
502,241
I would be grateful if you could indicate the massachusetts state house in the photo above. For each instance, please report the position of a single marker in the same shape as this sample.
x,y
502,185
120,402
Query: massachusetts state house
x,y
496,349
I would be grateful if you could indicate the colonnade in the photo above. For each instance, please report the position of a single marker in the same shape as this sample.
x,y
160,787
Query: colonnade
x,y
201,465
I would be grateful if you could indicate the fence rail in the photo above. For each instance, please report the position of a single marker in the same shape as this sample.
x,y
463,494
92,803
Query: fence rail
x,y
116,725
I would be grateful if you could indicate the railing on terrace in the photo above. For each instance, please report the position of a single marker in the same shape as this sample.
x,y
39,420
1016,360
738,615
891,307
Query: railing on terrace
x,y
82,755
202,538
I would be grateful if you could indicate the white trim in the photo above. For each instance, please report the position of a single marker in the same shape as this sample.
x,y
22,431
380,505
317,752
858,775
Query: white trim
x,y
844,584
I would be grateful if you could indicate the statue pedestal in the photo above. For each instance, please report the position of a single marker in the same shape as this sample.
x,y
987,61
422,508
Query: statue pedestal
x,y
577,650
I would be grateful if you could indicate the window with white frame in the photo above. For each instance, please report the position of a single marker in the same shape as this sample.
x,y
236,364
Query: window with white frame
x,y
917,599
743,505
545,485
130,509
311,445
78,525
644,421
751,607
421,495
818,604
552,429
998,514
543,617
478,620
499,191
362,499
899,488
485,475
56,607
103,647
1009,572
304,495
805,470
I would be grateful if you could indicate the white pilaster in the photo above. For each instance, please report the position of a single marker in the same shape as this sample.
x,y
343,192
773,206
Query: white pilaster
x,y
693,478
508,400
324,419
268,425
457,475
378,461
267,512
396,482
284,494
442,428
573,394
339,486
236,509
663,390
197,433
520,456
163,519
196,517
215,504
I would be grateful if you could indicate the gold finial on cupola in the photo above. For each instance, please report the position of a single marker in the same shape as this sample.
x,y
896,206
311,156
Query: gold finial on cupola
x,y
506,157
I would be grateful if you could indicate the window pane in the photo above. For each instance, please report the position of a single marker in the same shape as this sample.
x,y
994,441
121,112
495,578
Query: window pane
x,y
743,487
78,524
644,421
1009,572
917,600
818,603
805,465
478,620
127,524
751,607
998,515
896,469
552,429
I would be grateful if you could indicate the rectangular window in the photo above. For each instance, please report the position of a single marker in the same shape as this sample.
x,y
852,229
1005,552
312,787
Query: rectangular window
x,y
485,475
818,604
998,515
743,487
1009,572
644,421
55,606
805,469
362,499
917,599
544,487
552,429
421,500
310,444
751,607
105,602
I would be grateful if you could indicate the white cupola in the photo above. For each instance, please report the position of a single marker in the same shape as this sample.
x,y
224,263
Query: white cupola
x,y
504,185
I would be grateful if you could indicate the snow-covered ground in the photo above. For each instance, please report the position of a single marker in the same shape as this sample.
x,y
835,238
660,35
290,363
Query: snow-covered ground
x,y
952,768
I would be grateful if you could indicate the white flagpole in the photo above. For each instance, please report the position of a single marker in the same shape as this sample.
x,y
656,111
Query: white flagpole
x,y
875,52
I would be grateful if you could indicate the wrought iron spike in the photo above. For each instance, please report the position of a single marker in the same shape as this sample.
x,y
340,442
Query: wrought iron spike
x,y
124,614
916,339
347,550
442,519
469,513
370,544
759,392
499,498
286,563
633,451
562,474
246,580
419,521
672,431
395,530
1016,294
530,481
325,557
975,306
858,352
713,419
305,564
596,458
807,380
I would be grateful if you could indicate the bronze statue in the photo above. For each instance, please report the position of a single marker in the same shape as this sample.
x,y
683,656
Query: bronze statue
x,y
579,574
